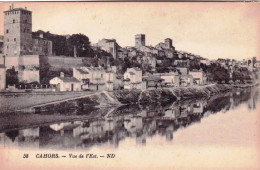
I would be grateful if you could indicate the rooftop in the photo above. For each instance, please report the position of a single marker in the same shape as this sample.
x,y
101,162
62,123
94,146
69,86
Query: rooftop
x,y
95,68
69,79
17,9
82,71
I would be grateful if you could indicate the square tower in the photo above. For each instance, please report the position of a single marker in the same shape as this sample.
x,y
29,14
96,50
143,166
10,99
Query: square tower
x,y
17,32
168,43
139,40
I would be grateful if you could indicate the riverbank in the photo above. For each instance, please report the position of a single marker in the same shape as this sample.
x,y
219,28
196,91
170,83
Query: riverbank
x,y
13,101
88,108
68,101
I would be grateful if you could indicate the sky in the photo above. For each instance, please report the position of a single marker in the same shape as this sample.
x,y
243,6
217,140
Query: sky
x,y
209,29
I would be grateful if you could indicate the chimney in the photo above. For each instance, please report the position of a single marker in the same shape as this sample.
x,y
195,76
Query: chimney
x,y
61,74
26,8
12,6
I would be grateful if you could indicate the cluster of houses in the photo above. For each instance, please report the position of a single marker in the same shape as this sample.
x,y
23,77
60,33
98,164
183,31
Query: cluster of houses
x,y
21,50
99,79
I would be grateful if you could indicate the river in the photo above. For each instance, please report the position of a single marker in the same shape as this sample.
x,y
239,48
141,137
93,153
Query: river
x,y
220,132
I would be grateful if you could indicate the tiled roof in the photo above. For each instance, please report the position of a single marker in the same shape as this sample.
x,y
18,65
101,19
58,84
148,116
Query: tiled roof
x,y
69,79
82,71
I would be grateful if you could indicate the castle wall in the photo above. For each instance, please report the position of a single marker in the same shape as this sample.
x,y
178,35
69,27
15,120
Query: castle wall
x,y
29,76
12,61
29,60
64,62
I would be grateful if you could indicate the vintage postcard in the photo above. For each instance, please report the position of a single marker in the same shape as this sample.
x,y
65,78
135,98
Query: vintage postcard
x,y
129,85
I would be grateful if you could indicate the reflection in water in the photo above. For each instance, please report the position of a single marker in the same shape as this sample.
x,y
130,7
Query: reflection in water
x,y
131,121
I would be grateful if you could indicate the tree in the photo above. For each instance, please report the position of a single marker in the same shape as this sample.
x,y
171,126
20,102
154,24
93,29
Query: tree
x,y
81,43
11,76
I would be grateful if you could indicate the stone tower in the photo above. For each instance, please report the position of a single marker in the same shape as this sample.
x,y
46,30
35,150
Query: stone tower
x,y
139,40
168,43
17,34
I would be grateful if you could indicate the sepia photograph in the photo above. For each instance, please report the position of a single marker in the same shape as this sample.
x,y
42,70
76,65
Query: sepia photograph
x,y
129,85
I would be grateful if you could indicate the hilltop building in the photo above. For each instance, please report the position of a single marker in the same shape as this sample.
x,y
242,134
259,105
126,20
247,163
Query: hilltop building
x,y
167,45
109,45
42,46
139,40
21,50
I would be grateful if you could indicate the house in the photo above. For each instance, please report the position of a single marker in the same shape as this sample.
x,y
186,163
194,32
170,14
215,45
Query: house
x,y
186,80
170,79
199,77
182,70
109,45
153,82
66,83
109,80
181,63
82,76
95,78
41,45
205,61
133,78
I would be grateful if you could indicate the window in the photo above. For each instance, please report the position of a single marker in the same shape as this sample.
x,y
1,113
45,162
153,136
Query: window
x,y
25,21
14,21
7,47
7,31
14,39
7,40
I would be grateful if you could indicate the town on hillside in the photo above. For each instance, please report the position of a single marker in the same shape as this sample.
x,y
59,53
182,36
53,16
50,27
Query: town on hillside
x,y
42,61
